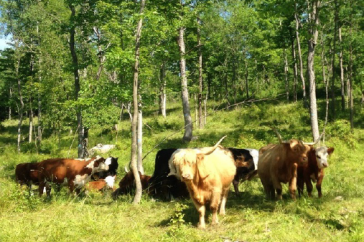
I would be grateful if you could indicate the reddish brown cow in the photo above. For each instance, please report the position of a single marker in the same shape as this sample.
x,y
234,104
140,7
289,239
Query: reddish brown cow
x,y
313,170
27,174
278,163
102,184
207,173
75,173
127,184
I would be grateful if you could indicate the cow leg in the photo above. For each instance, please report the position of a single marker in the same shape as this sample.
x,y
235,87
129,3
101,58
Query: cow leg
x,y
214,206
223,201
268,189
41,186
293,182
276,187
48,189
309,187
319,182
201,209
236,187
300,186
71,185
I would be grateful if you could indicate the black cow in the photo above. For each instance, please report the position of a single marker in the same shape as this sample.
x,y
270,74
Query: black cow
x,y
250,156
162,186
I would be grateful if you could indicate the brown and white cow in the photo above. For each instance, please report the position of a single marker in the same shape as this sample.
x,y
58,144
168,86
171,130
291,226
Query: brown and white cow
x,y
207,173
313,170
75,173
102,184
278,163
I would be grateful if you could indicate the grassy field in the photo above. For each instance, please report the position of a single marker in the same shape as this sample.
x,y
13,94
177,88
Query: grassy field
x,y
337,216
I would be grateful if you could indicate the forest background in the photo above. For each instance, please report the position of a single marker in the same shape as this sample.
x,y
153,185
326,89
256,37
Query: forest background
x,y
72,68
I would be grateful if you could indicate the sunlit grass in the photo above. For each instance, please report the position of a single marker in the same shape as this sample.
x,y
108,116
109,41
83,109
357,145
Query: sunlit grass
x,y
337,216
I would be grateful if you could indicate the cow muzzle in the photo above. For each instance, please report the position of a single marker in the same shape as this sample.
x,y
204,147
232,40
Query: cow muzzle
x,y
187,176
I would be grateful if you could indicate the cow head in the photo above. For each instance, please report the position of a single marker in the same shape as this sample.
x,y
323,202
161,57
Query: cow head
x,y
298,151
98,165
322,154
185,162
110,181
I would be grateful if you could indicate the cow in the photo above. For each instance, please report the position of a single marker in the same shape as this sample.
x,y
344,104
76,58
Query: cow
x,y
313,170
160,184
246,161
169,187
75,173
102,184
207,173
278,163
27,174
127,183
113,164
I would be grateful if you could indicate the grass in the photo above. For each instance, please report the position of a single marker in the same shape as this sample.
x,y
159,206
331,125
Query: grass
x,y
337,216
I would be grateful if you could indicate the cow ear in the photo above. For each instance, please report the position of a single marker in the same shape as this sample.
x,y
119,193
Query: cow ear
x,y
201,167
330,150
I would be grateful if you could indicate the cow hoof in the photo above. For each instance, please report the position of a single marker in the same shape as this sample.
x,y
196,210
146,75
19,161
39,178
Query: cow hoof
x,y
201,226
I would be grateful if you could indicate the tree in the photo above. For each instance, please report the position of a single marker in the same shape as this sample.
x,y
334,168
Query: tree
x,y
134,144
313,21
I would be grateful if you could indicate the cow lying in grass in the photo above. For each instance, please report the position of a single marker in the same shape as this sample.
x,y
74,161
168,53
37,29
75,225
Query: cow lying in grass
x,y
313,170
102,184
127,183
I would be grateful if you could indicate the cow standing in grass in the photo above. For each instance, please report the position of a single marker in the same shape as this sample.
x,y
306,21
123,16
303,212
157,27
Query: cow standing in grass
x,y
207,173
278,163
74,173
313,170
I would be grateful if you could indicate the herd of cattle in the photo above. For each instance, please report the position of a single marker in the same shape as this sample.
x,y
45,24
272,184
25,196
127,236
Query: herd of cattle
x,y
204,174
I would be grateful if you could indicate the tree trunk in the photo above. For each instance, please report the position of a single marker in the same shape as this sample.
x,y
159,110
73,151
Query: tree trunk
x,y
326,82
351,101
162,94
77,82
313,34
140,142
21,108
134,144
300,55
200,79
10,97
40,121
333,98
286,74
295,72
341,72
184,93
30,121
246,79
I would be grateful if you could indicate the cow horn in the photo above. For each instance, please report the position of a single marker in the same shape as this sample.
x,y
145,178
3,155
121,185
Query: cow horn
x,y
215,146
126,169
278,135
316,141
171,174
